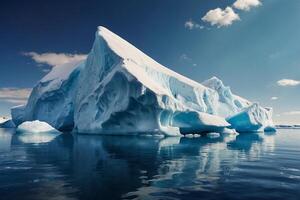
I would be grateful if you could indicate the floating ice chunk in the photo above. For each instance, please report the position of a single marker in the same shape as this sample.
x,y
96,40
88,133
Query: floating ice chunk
x,y
189,135
270,129
213,135
35,127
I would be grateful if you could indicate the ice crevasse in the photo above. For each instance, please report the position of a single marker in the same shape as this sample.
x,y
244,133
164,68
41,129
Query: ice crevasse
x,y
118,89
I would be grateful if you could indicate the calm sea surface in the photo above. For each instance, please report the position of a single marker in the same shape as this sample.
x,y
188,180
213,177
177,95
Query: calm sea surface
x,y
248,166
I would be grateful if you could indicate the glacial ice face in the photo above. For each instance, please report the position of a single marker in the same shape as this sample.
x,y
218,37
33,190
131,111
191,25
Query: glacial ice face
x,y
192,121
118,89
17,114
229,103
51,100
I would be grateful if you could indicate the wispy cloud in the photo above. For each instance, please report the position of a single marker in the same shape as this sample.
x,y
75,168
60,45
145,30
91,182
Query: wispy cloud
x,y
294,112
288,82
190,24
54,59
15,95
274,98
221,17
184,57
246,4
187,59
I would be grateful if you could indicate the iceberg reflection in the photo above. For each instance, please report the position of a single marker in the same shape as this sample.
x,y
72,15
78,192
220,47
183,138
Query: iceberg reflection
x,y
5,139
36,138
136,167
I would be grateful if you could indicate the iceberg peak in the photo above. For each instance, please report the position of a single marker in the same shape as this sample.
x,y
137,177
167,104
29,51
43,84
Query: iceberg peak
x,y
214,83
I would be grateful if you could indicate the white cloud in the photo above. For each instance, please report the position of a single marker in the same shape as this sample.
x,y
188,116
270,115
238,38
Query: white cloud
x,y
221,17
295,112
274,98
15,95
246,4
54,59
185,57
288,82
192,25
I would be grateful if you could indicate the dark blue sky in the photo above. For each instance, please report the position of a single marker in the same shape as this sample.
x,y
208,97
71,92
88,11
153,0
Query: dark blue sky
x,y
250,55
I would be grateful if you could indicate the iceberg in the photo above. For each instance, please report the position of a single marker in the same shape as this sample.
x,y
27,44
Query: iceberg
x,y
213,135
35,127
118,89
287,126
6,123
253,118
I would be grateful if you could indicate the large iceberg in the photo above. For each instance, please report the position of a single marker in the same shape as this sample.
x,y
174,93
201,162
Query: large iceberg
x,y
120,90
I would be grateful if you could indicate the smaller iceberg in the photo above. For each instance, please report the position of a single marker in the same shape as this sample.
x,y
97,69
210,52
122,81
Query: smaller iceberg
x,y
35,127
252,119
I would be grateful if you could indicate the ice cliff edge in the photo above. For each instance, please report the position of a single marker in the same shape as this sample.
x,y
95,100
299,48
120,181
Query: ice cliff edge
x,y
119,90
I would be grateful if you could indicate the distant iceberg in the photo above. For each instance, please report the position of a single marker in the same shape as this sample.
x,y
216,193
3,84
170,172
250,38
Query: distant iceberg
x,y
118,89
288,126
6,123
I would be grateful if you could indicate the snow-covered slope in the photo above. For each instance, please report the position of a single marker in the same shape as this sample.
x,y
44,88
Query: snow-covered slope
x,y
119,89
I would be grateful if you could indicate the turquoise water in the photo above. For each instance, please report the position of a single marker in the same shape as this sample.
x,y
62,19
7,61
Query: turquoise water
x,y
247,166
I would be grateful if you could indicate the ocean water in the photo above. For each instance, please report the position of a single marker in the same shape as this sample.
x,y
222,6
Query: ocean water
x,y
62,167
